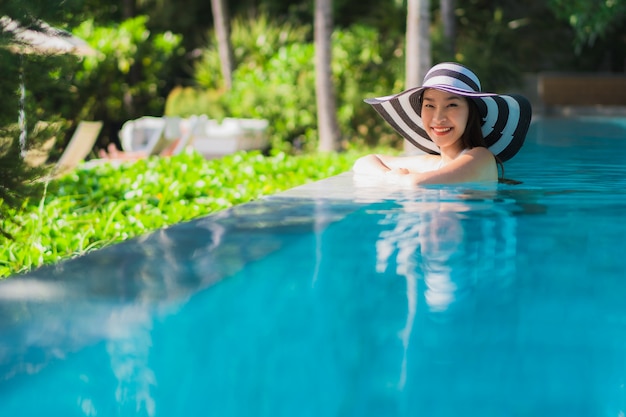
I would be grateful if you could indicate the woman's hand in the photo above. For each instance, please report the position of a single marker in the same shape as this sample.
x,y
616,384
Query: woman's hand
x,y
401,176
398,171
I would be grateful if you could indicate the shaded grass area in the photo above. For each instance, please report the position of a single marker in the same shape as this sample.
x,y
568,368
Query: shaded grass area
x,y
92,208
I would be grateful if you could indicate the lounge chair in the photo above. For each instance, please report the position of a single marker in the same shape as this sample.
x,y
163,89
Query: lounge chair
x,y
189,128
149,135
231,135
79,146
156,137
163,136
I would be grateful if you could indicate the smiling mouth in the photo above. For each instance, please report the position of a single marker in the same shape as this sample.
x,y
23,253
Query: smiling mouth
x,y
441,130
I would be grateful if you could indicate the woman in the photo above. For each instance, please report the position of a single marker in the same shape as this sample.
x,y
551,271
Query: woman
x,y
465,132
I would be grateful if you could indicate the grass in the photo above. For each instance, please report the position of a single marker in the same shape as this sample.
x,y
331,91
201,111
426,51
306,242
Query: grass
x,y
90,209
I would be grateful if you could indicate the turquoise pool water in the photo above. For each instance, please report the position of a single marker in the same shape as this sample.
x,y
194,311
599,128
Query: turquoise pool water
x,y
336,299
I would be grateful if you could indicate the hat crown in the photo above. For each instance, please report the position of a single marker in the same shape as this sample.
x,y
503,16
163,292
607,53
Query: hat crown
x,y
452,75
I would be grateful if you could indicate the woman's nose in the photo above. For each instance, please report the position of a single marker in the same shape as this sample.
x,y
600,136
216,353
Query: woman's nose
x,y
440,115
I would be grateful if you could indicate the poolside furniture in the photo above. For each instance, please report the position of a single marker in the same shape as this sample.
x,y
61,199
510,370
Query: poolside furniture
x,y
146,134
189,128
173,132
216,139
79,146
37,156
168,135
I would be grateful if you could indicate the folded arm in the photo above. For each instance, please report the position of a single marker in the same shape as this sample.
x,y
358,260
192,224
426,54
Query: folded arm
x,y
475,165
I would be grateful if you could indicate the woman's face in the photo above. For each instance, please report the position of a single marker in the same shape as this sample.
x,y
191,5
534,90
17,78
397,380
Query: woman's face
x,y
445,117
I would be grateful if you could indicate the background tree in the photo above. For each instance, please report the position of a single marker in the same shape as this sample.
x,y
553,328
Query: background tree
x,y
418,53
221,19
448,21
599,26
128,78
328,126
590,19
43,76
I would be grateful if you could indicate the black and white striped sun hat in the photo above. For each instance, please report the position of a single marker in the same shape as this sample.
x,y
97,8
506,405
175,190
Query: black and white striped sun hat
x,y
505,118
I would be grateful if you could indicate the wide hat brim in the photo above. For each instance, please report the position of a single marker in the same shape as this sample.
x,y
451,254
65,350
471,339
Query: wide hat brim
x,y
505,118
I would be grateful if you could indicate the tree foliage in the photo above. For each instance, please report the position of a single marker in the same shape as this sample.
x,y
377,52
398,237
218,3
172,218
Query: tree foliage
x,y
590,19
275,80
41,76
128,78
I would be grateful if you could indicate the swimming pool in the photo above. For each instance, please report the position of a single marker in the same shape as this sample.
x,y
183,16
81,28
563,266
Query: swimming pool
x,y
335,299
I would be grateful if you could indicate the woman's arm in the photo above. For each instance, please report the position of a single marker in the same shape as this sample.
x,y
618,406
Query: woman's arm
x,y
475,165
370,165
376,164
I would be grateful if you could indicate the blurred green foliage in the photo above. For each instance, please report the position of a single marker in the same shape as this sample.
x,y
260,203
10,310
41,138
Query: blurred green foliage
x,y
127,77
275,80
591,19
90,209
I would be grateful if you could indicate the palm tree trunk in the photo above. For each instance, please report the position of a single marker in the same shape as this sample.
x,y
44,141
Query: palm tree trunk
x,y
448,21
221,21
418,59
328,126
128,9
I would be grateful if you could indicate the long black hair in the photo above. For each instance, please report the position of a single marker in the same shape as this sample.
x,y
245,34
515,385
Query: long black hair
x,y
473,137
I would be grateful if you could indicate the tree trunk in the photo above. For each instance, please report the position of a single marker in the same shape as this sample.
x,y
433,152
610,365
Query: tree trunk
x,y
327,124
128,9
128,12
417,48
221,20
448,21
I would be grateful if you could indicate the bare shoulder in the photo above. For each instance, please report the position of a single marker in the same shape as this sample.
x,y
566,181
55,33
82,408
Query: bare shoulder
x,y
478,157
483,165
476,164
480,153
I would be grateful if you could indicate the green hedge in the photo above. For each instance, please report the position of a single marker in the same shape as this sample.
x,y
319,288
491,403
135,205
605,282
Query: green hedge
x,y
90,209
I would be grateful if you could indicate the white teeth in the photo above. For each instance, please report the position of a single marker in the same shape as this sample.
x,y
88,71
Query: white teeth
x,y
442,129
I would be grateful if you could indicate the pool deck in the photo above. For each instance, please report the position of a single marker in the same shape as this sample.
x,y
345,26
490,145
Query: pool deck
x,y
344,186
200,242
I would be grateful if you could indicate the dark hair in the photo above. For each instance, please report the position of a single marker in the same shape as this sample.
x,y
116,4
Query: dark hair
x,y
473,137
